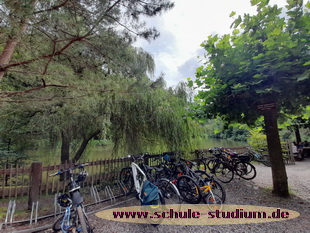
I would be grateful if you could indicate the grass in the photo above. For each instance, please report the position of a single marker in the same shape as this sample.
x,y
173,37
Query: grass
x,y
3,211
268,189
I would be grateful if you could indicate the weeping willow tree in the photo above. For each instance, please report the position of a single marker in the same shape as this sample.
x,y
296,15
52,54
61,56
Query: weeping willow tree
x,y
152,118
120,103
69,73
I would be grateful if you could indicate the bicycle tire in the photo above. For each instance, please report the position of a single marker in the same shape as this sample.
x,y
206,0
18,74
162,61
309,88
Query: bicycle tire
x,y
212,165
89,227
126,178
213,202
266,161
57,224
81,218
169,191
189,189
224,173
199,165
152,209
216,187
245,170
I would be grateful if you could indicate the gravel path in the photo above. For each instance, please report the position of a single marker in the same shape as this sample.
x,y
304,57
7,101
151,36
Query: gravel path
x,y
298,178
241,192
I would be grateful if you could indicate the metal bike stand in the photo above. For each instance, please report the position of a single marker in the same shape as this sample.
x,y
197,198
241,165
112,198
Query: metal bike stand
x,y
122,187
57,208
10,212
35,207
109,193
113,196
94,193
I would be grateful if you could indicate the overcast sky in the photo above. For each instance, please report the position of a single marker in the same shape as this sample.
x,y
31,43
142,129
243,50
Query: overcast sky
x,y
184,28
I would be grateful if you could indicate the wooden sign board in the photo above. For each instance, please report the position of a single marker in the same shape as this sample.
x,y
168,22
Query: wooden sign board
x,y
266,107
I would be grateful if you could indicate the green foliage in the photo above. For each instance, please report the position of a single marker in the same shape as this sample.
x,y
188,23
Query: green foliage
x,y
152,118
218,129
257,139
77,70
36,35
257,64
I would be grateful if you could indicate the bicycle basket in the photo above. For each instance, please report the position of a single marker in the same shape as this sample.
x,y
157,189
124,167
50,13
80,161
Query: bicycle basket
x,y
64,200
81,177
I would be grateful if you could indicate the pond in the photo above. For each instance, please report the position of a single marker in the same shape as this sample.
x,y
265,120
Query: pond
x,y
51,156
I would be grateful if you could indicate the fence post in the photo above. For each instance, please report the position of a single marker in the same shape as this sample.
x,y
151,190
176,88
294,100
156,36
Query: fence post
x,y
35,183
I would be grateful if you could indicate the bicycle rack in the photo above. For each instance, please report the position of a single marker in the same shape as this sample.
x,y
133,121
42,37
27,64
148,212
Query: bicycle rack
x,y
57,208
35,207
94,193
10,212
122,187
109,193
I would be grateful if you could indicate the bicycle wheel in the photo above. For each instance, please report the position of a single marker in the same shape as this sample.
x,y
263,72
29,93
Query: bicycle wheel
x,y
198,165
213,165
189,189
245,170
266,161
57,224
83,220
213,202
125,177
216,187
224,173
151,209
169,191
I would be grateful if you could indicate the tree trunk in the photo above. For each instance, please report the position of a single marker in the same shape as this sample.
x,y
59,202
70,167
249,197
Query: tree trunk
x,y
297,134
13,39
279,177
83,145
65,147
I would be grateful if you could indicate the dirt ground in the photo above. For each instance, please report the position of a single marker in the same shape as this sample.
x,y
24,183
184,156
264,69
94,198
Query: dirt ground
x,y
298,178
256,192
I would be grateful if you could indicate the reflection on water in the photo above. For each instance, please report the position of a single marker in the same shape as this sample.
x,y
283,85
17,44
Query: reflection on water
x,y
211,142
48,156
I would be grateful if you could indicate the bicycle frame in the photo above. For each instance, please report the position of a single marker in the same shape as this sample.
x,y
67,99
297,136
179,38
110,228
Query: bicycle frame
x,y
138,186
65,225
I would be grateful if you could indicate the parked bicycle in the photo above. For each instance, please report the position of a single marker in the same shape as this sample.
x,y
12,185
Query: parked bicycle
x,y
195,185
257,155
155,174
225,164
74,218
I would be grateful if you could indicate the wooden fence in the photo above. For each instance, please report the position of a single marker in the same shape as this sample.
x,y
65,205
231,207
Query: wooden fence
x,y
18,182
21,181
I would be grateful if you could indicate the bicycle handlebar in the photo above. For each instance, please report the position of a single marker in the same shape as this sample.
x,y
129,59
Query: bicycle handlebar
x,y
80,166
134,157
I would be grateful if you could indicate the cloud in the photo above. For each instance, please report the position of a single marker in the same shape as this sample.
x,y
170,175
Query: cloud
x,y
184,28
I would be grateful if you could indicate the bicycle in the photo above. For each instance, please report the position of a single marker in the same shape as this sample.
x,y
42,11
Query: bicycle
x,y
259,157
195,186
227,163
77,221
156,175
150,196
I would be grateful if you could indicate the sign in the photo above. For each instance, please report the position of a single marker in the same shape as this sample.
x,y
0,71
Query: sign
x,y
266,107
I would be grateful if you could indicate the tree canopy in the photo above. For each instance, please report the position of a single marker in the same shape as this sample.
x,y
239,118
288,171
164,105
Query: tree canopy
x,y
265,56
69,73
261,68
51,29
